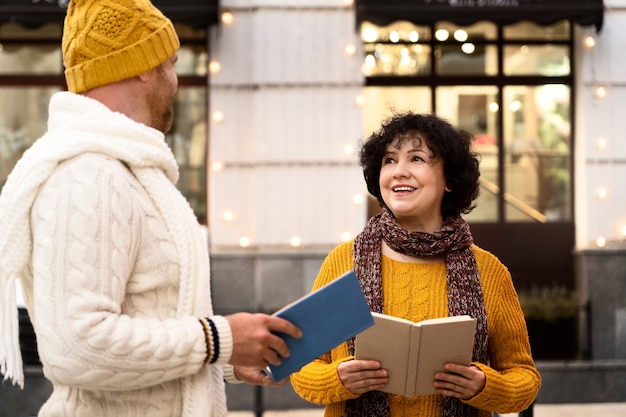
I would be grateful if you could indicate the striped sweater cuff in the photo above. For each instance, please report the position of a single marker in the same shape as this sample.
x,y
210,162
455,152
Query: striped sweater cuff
x,y
229,374
224,341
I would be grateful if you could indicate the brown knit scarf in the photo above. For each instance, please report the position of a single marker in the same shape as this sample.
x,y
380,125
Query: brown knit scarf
x,y
465,296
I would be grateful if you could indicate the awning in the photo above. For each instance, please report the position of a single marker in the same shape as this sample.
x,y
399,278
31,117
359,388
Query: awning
x,y
34,13
467,12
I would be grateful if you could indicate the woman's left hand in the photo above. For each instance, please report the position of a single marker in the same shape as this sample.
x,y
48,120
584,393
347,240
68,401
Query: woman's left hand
x,y
460,381
256,376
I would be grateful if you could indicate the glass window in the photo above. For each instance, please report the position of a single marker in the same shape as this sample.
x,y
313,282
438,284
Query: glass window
x,y
400,49
192,60
559,31
26,54
466,59
403,32
475,109
522,133
537,147
396,60
23,120
188,140
547,60
466,50
481,30
382,102
30,59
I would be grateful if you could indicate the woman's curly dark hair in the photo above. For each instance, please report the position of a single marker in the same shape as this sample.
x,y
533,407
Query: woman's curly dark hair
x,y
450,145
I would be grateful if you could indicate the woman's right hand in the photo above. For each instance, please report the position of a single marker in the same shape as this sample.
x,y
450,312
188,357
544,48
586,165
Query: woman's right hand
x,y
361,376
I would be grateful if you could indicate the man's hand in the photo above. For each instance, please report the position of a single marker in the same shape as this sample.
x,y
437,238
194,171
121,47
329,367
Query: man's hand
x,y
361,376
460,381
256,376
254,342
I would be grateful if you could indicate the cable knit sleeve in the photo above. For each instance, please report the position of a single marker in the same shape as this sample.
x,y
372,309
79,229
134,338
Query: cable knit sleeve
x,y
319,382
106,283
512,380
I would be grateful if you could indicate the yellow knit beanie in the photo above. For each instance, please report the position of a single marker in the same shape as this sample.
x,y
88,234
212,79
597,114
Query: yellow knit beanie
x,y
105,41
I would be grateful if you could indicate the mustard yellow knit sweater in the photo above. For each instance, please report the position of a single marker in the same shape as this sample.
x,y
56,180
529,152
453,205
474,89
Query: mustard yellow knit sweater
x,y
417,292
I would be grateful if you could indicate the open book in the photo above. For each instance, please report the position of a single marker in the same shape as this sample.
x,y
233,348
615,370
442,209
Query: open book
x,y
327,317
413,352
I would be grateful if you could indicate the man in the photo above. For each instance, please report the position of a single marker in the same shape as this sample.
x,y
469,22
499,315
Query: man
x,y
114,270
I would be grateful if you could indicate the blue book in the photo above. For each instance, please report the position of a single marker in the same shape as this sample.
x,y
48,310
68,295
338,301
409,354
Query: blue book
x,y
327,317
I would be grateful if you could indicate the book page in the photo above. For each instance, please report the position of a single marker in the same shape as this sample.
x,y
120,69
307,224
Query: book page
x,y
387,341
450,339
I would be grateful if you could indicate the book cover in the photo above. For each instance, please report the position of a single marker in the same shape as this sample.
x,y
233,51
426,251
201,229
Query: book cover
x,y
327,317
414,352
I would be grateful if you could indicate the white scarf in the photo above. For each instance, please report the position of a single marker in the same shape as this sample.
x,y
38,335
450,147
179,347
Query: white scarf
x,y
77,125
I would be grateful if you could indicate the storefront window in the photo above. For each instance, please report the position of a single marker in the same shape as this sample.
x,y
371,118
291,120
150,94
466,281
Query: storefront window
x,y
559,31
23,120
475,109
30,59
466,58
401,49
546,60
188,139
537,145
31,71
521,132
382,102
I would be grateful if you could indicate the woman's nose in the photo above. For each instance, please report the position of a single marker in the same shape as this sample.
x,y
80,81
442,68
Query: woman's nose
x,y
400,170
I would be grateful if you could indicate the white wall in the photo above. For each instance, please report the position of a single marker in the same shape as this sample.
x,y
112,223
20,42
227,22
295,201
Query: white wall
x,y
602,119
287,91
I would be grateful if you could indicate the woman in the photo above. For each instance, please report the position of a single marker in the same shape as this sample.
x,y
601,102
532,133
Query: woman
x,y
416,260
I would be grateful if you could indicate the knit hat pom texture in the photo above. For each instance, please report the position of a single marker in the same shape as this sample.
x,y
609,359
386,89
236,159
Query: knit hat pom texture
x,y
105,41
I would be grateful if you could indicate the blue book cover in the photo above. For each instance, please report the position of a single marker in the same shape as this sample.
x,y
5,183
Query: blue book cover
x,y
327,317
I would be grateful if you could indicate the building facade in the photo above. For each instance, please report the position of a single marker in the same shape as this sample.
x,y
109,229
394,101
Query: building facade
x,y
277,95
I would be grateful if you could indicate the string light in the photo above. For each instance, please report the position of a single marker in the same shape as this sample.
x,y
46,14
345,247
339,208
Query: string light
x,y
589,42
600,92
350,49
218,116
601,144
357,199
217,166
227,18
244,241
460,35
601,193
228,216
442,35
295,242
369,35
215,67
468,48
346,236
601,241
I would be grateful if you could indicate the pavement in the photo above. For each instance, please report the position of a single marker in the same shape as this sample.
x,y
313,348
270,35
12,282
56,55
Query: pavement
x,y
539,410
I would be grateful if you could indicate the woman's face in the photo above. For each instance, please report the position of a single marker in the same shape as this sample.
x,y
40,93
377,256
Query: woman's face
x,y
412,183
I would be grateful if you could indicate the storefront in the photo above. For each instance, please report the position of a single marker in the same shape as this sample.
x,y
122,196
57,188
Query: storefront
x,y
31,70
503,70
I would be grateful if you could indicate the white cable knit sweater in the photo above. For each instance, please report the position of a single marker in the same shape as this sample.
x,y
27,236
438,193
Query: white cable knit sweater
x,y
114,271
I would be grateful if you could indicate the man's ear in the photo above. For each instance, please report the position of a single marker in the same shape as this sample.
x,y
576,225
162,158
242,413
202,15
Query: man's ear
x,y
145,76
